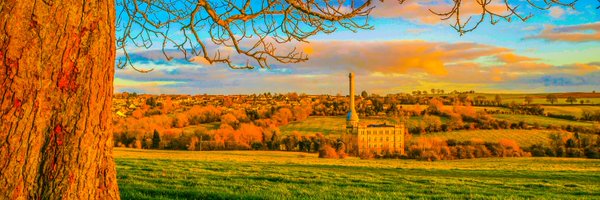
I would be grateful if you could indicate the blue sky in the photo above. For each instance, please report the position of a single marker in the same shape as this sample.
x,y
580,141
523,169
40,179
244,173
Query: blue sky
x,y
557,50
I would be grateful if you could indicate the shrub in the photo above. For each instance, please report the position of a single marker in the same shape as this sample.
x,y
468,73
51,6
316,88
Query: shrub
x,y
257,145
592,153
559,116
575,152
328,152
509,144
538,150
366,155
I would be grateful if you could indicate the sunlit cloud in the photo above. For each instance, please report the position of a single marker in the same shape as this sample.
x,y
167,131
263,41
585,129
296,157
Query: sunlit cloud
x,y
381,66
576,33
556,12
410,48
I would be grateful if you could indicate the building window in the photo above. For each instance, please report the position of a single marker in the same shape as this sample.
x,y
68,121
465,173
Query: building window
x,y
387,139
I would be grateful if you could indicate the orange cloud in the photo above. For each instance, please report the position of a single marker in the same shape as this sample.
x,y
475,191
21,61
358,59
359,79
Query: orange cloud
x,y
396,56
513,58
576,33
515,64
582,68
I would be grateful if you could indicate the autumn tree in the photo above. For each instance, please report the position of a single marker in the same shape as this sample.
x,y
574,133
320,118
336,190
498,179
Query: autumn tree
x,y
480,100
230,120
571,99
155,140
551,98
364,94
528,99
498,100
58,60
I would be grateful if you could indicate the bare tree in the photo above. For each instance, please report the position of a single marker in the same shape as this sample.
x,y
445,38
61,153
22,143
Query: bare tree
x,y
57,72
528,99
552,98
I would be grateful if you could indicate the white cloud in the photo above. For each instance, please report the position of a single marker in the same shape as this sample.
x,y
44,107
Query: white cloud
x,y
556,12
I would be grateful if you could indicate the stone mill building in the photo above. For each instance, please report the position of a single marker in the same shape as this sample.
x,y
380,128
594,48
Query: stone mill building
x,y
373,137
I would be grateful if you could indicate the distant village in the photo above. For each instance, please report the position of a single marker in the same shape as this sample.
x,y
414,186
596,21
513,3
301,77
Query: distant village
x,y
334,105
260,122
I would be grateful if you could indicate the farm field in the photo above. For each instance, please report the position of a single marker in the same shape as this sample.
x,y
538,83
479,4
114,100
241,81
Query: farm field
x,y
155,174
325,125
336,125
570,110
524,138
312,125
208,126
539,98
541,120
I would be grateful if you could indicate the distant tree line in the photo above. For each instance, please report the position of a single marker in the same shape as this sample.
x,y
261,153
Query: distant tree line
x,y
569,145
432,149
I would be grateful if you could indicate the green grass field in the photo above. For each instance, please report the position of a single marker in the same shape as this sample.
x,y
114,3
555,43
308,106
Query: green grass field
x,y
325,125
337,125
540,98
207,126
524,138
312,125
541,120
153,174
570,110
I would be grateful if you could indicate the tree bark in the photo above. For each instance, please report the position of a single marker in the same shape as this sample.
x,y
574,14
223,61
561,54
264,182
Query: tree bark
x,y
57,62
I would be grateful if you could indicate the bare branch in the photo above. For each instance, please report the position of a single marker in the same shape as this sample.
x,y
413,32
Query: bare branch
x,y
494,15
217,31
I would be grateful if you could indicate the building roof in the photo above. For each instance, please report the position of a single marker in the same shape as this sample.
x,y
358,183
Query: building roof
x,y
380,125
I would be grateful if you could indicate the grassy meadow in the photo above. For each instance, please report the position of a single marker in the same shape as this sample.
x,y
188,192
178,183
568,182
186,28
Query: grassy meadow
x,y
538,98
325,125
156,174
541,120
524,138
337,125
570,110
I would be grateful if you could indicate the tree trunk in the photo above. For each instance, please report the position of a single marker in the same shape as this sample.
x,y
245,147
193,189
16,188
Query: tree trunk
x,y
57,62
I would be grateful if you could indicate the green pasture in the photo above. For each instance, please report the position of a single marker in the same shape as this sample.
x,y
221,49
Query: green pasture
x,y
570,110
312,125
154,174
337,125
541,120
524,138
